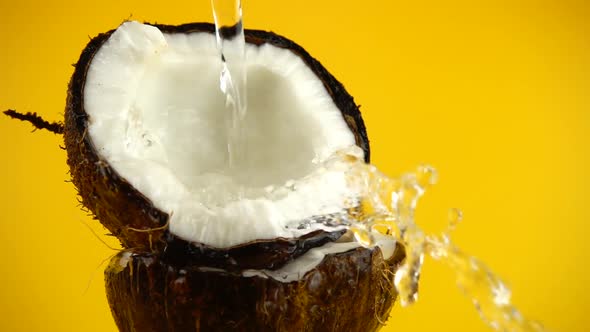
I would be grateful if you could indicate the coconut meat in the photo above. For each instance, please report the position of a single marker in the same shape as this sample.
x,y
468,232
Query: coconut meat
x,y
297,268
158,117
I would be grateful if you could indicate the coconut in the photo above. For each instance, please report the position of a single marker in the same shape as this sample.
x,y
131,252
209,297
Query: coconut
x,y
347,291
145,141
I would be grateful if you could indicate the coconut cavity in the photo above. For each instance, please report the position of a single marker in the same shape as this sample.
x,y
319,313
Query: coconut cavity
x,y
157,116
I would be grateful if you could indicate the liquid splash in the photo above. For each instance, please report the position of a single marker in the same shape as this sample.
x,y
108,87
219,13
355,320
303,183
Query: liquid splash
x,y
382,205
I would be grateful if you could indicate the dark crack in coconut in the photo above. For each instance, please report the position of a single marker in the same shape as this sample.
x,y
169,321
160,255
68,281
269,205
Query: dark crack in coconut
x,y
135,130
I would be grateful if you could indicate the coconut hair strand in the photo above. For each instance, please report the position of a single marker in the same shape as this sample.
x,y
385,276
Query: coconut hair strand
x,y
37,121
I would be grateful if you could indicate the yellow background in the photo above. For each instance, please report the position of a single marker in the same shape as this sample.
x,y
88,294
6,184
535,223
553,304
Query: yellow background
x,y
494,94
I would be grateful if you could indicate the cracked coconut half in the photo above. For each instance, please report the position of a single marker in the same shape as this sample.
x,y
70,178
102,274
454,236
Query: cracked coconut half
x,y
208,246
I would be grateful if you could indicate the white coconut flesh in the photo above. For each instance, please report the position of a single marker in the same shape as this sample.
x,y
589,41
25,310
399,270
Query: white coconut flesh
x,y
158,117
297,268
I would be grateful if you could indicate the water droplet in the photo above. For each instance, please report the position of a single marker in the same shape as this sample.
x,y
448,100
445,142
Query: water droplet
x,y
455,217
426,176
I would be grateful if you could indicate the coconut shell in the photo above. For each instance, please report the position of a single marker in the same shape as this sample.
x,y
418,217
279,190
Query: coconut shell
x,y
349,291
126,212
163,283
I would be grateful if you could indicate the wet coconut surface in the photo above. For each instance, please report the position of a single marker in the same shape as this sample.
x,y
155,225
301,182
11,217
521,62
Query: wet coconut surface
x,y
350,291
165,283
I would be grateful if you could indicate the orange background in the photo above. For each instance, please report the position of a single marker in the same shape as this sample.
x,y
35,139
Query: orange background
x,y
494,94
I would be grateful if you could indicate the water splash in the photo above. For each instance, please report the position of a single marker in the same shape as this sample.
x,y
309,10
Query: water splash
x,y
382,205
